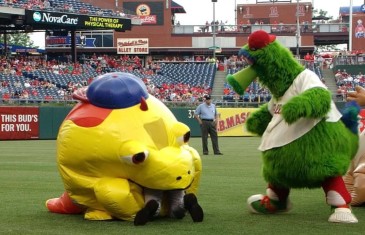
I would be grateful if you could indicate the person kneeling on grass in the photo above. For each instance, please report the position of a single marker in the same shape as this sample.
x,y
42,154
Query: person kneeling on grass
x,y
178,203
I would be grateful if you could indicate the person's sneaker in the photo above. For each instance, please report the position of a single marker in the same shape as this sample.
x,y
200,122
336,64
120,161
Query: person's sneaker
x,y
191,204
218,154
342,215
179,213
147,213
205,153
262,204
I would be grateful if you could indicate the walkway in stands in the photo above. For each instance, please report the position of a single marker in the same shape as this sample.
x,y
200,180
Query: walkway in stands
x,y
218,85
329,79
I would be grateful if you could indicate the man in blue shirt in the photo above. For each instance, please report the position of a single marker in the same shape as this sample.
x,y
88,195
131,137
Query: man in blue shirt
x,y
207,116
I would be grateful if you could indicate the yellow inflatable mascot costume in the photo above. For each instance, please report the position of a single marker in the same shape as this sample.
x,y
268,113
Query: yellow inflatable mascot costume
x,y
115,144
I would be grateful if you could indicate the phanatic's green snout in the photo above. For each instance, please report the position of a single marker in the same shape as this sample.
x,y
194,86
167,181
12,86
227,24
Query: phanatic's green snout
x,y
242,79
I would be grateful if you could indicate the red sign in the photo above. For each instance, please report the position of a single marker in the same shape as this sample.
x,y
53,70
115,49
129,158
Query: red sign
x,y
362,120
19,123
150,19
358,37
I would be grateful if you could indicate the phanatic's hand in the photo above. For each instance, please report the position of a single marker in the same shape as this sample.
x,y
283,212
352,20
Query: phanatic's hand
x,y
358,96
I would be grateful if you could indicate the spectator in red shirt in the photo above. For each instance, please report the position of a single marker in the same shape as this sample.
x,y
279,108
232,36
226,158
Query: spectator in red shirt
x,y
309,60
6,97
48,98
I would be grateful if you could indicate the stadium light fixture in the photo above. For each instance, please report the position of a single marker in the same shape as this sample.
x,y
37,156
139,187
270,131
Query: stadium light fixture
x,y
235,12
214,27
297,35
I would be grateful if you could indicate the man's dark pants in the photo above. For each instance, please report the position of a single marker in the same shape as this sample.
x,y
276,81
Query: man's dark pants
x,y
209,127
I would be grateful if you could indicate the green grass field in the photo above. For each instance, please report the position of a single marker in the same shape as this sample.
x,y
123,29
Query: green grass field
x,y
29,176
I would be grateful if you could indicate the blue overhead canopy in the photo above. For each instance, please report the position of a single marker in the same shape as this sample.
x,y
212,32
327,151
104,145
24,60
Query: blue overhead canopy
x,y
346,10
23,49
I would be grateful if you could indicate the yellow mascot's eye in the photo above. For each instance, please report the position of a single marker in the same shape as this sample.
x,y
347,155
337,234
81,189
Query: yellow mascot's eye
x,y
187,137
180,133
135,159
139,158
184,139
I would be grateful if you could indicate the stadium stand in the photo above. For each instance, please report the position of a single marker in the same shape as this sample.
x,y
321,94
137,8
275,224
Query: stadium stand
x,y
37,80
347,82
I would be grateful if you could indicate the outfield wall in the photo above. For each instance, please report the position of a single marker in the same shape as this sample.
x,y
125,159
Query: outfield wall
x,y
24,122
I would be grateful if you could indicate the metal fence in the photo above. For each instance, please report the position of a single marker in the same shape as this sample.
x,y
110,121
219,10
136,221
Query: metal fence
x,y
217,100
270,28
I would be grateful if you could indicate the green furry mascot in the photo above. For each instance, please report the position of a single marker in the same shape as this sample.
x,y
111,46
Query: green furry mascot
x,y
305,143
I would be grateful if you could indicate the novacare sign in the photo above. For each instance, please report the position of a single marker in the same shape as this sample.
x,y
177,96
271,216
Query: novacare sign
x,y
46,17
61,20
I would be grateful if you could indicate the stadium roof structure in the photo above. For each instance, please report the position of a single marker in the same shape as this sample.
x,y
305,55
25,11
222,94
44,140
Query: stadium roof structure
x,y
346,10
9,18
177,8
320,17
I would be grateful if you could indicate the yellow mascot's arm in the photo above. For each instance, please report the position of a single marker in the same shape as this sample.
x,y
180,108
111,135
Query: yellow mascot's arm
x,y
122,198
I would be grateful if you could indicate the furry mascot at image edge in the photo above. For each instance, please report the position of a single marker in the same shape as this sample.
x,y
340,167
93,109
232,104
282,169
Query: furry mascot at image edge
x,y
305,141
355,176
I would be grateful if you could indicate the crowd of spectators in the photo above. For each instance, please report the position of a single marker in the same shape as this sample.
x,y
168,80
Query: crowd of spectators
x,y
34,78
28,78
18,80
38,5
234,64
214,26
346,82
254,93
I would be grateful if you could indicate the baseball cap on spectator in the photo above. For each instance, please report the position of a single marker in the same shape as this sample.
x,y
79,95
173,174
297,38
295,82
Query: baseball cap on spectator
x,y
207,97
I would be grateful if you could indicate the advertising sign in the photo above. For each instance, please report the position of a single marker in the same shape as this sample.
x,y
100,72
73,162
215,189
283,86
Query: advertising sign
x,y
69,20
104,22
150,13
132,46
59,41
19,123
232,121
22,49
144,13
358,38
362,120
